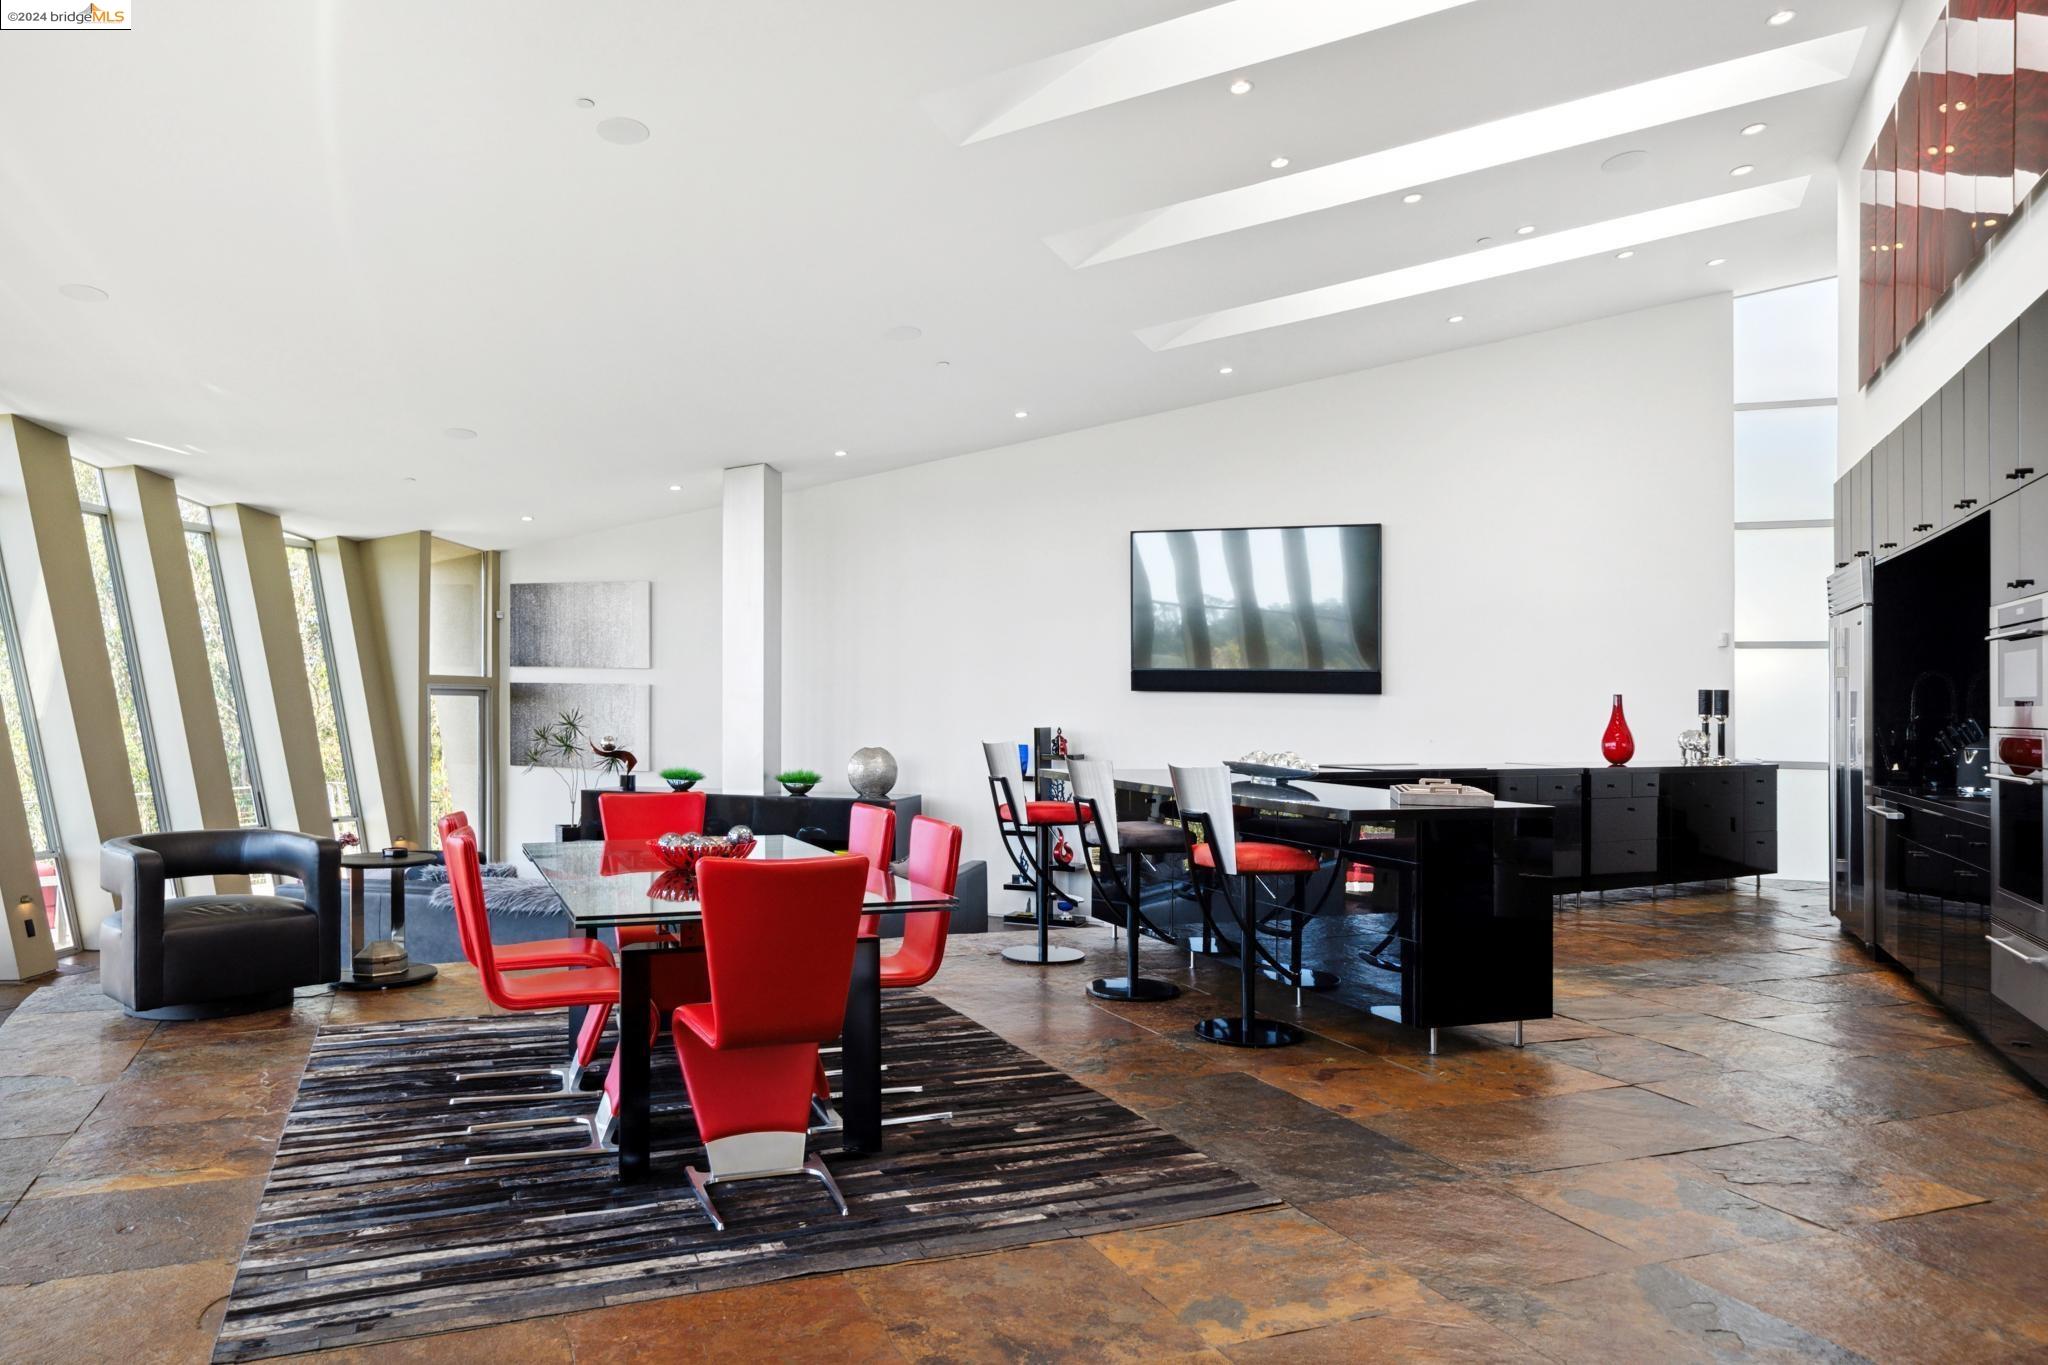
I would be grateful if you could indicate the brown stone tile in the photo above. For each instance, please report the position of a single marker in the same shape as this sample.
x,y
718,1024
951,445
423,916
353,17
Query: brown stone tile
x,y
1471,1234
163,1315
21,1161
1999,1246
1055,1301
84,1047
535,1341
1555,1029
1561,1130
1730,1045
1243,1276
1624,1058
1871,1028
1651,1313
1882,1306
1723,1002
1841,1093
105,1158
1662,1207
1818,1183
96,1234
1443,1333
1598,1008
204,1082
37,1106
2000,1151
819,1318
1851,988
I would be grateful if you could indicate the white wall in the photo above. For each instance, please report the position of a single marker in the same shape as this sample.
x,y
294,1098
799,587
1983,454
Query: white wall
x,y
2011,275
1557,530
679,555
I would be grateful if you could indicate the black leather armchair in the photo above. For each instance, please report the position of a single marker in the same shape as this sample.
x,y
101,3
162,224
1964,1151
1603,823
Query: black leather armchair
x,y
193,957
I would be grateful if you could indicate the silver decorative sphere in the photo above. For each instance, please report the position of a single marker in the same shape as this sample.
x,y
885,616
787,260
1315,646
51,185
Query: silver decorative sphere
x,y
670,841
739,834
871,772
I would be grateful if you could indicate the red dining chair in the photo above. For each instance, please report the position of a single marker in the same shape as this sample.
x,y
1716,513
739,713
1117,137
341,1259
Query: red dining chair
x,y
675,978
778,939
871,832
571,987
934,862
539,955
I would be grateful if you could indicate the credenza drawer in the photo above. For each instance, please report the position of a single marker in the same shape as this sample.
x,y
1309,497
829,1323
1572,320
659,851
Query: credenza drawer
x,y
1612,782
1623,818
1760,813
1621,855
1645,784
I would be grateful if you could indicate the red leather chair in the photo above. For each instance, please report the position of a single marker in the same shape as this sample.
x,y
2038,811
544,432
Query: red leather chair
x,y
778,938
591,988
649,815
871,833
934,862
541,953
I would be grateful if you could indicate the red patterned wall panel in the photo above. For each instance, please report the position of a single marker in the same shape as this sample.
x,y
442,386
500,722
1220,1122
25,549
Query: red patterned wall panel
x,y
1866,283
1906,222
1929,273
1990,118
1884,322
1959,112
2030,97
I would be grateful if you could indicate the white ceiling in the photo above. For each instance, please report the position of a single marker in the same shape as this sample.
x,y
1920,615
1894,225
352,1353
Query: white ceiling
x,y
331,231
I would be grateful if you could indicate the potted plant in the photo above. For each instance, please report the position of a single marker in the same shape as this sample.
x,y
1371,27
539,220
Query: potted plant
x,y
681,779
798,781
559,747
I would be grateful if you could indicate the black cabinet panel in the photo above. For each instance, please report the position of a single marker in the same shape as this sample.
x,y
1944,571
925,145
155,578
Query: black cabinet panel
x,y
1621,855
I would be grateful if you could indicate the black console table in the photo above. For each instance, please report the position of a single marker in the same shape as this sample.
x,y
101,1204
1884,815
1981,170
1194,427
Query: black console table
x,y
821,818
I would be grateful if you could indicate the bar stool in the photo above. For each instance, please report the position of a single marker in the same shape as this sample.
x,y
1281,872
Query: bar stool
x,y
1094,783
1027,828
1204,798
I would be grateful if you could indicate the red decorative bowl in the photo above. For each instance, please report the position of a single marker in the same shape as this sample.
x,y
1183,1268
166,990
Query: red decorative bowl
x,y
685,857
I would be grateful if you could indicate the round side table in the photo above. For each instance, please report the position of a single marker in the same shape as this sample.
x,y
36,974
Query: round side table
x,y
382,965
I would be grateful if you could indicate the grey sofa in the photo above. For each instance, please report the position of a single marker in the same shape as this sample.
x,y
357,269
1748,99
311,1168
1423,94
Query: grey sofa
x,y
195,957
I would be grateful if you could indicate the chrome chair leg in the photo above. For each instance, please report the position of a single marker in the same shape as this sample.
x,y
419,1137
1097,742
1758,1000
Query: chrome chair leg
x,y
599,1129
568,1081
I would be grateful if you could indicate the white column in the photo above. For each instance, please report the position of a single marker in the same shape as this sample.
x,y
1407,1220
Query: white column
x,y
750,592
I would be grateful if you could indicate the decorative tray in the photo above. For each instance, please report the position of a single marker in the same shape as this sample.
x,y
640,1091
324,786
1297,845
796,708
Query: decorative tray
x,y
1274,771
1438,791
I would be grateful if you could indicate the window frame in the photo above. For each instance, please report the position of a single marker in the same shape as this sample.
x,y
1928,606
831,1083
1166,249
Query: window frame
x,y
325,632
250,766
117,583
38,770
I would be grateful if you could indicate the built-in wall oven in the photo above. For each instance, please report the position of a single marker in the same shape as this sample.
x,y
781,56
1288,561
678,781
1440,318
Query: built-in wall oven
x,y
2019,829
2019,663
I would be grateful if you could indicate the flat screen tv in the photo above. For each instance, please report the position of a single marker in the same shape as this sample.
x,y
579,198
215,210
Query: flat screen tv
x,y
1256,609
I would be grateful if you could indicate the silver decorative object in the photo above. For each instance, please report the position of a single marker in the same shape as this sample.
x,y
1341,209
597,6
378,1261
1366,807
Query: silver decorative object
x,y
739,834
1694,747
871,772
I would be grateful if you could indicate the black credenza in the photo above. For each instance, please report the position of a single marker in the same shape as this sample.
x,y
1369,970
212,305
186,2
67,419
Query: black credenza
x,y
821,818
1652,824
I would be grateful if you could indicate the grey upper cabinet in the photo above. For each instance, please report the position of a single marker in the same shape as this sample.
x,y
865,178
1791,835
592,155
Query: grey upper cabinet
x,y
2019,544
1845,529
1886,493
1860,508
1976,467
1932,516
2005,551
1906,516
2019,358
1955,503
2008,463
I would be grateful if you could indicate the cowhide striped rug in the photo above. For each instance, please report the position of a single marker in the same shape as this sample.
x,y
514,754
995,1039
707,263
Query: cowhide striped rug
x,y
372,1228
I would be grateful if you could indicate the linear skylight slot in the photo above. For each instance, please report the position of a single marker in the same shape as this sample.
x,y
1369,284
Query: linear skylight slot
x,y
1668,99
1513,258
1211,42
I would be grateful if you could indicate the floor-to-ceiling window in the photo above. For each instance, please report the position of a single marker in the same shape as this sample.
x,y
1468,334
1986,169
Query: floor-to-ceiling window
x,y
128,682
459,684
25,743
223,664
316,642
1785,381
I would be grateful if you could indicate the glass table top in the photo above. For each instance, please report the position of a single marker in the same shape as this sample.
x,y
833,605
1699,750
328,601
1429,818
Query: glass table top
x,y
624,881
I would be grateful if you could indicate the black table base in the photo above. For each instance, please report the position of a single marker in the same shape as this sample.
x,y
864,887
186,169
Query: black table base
x,y
415,974
1258,1033
1044,953
1132,988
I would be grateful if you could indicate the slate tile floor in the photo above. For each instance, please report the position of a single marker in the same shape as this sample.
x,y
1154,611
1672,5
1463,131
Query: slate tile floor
x,y
1738,1139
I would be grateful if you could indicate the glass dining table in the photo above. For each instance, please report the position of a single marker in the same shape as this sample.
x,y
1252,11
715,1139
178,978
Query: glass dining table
x,y
607,884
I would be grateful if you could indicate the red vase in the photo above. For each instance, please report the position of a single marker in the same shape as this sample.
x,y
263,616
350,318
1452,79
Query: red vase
x,y
1062,851
1618,745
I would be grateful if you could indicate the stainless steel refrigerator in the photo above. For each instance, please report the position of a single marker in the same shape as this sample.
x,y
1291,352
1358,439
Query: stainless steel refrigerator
x,y
1850,811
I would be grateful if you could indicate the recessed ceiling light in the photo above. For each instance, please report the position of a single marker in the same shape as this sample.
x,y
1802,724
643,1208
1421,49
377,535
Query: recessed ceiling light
x,y
1278,163
1525,229
409,479
458,433
1623,255
1753,129
586,104
1623,162
1411,198
83,293
1482,240
1455,317
838,454
1021,415
623,131
1782,17
1718,260
1741,170
1961,105
903,331
1240,86
526,518
1225,370
675,488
